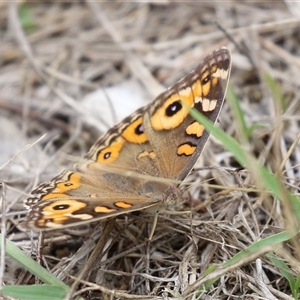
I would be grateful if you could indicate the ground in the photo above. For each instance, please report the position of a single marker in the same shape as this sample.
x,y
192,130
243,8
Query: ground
x,y
70,70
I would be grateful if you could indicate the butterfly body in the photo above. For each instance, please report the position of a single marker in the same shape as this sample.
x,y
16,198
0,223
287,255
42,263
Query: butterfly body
x,y
140,162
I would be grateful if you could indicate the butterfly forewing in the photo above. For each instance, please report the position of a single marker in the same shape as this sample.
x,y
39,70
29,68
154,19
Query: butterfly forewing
x,y
175,136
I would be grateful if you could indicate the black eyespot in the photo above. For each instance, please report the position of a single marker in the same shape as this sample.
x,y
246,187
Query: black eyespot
x,y
68,184
173,108
139,129
61,207
206,79
107,155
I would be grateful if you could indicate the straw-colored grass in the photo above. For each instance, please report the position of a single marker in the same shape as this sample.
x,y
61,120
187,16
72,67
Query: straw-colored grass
x,y
238,239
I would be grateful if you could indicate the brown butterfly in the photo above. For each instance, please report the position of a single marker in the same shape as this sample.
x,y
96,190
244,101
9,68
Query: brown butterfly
x,y
125,169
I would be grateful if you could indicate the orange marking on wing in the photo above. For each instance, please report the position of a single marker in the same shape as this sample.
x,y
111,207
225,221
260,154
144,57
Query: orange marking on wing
x,y
62,207
122,204
103,209
197,89
161,121
195,129
146,153
61,188
134,132
206,87
215,76
59,211
112,152
186,149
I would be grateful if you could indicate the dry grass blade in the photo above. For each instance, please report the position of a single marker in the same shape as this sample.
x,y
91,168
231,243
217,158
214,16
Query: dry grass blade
x,y
54,54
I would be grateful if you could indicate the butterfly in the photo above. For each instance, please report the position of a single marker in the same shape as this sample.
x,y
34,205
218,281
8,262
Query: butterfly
x,y
139,163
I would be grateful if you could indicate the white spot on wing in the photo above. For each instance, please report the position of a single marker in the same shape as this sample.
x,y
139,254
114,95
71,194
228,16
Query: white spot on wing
x,y
209,105
198,99
221,73
81,216
185,92
53,225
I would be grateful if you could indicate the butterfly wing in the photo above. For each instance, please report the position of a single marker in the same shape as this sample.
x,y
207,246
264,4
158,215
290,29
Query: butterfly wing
x,y
73,198
176,137
160,140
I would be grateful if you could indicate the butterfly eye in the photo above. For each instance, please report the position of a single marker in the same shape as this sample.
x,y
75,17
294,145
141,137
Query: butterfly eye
x,y
173,108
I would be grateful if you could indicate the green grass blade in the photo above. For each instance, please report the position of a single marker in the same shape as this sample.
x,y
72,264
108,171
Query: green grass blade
x,y
29,264
262,175
256,249
239,117
26,18
35,292
286,272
